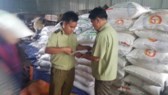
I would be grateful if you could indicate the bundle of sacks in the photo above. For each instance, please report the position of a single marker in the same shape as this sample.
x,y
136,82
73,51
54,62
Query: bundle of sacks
x,y
122,16
43,62
149,69
83,73
83,76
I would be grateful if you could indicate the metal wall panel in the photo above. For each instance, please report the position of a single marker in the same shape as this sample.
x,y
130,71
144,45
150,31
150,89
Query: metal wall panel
x,y
155,4
18,5
92,4
43,6
60,6
103,2
74,5
137,1
118,1
164,4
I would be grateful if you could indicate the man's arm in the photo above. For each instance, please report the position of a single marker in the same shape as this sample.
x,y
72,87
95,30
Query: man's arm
x,y
81,47
87,56
57,50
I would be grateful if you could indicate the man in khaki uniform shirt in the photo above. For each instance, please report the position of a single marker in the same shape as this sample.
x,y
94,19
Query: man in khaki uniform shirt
x,y
61,45
105,53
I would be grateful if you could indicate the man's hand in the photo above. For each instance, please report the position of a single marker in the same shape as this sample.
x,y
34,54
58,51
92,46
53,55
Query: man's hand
x,y
68,50
81,47
89,57
78,54
95,59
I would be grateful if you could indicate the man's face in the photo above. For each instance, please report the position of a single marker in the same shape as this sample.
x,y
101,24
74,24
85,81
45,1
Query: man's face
x,y
95,23
69,27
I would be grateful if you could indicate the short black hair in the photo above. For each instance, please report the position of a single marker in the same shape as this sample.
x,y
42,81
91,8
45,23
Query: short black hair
x,y
98,12
70,16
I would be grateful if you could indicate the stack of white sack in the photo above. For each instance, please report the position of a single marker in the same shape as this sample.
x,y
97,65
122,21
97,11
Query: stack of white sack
x,y
83,73
126,40
87,35
44,63
149,63
83,76
149,58
148,81
152,30
151,51
121,16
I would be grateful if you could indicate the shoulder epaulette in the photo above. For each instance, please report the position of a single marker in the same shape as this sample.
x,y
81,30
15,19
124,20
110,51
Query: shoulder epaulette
x,y
57,31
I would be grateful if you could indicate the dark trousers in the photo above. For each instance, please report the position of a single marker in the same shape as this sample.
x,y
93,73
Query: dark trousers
x,y
61,81
104,87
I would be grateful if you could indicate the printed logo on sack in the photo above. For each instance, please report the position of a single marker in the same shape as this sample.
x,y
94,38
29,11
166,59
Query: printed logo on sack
x,y
124,43
152,39
119,22
150,53
155,19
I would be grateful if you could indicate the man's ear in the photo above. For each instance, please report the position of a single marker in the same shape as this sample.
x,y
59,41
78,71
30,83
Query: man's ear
x,y
63,24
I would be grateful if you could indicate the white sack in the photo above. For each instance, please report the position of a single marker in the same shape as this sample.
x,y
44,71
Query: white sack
x,y
45,57
131,90
83,61
84,81
147,56
85,75
89,90
156,45
84,68
150,77
153,90
125,43
120,73
154,34
122,62
156,20
128,10
160,68
87,37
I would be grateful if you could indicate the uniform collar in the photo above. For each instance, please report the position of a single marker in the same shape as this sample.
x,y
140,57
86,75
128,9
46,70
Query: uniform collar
x,y
103,27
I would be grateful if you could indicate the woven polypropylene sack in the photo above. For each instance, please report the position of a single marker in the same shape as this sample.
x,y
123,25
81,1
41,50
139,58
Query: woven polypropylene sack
x,y
126,10
159,46
153,78
155,20
151,89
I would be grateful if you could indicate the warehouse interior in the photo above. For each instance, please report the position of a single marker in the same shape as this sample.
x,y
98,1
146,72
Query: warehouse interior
x,y
142,31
